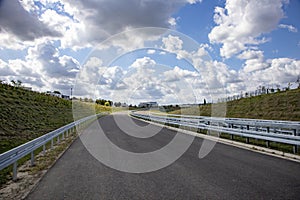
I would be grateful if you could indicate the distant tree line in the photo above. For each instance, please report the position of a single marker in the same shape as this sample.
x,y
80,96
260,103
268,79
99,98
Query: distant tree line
x,y
104,102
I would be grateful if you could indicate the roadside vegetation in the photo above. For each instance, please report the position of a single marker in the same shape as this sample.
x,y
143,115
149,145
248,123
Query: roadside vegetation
x,y
283,105
25,115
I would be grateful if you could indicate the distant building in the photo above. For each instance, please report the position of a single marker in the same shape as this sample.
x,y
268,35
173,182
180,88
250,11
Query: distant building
x,y
27,88
65,97
58,95
53,94
150,104
123,104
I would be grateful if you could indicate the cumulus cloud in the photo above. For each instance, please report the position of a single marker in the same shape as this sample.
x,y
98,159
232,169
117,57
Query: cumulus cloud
x,y
279,71
242,23
43,69
143,63
14,19
151,51
290,28
51,63
254,60
144,80
172,21
172,43
5,70
97,20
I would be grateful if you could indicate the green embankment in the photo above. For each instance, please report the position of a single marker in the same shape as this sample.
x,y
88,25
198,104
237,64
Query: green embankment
x,y
25,115
277,106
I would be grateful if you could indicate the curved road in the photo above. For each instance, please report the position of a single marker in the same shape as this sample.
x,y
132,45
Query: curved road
x,y
227,172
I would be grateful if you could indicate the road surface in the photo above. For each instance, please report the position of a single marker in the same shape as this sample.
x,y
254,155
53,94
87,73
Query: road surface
x,y
226,173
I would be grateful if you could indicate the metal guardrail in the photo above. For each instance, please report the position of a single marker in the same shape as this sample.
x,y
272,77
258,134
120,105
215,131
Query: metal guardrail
x,y
12,156
287,132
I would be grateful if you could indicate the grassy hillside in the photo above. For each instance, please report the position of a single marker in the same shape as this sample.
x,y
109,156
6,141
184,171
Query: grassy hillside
x,y
25,115
278,106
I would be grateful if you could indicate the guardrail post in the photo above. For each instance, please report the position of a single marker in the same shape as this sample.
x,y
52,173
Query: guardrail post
x,y
58,139
44,149
247,138
52,143
230,126
15,171
63,136
32,158
268,142
295,147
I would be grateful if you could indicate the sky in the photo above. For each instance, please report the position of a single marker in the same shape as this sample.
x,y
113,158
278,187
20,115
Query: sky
x,y
172,52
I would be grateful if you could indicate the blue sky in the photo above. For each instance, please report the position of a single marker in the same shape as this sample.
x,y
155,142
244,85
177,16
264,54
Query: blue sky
x,y
105,45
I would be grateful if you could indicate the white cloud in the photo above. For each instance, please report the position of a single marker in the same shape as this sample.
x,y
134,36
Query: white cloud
x,y
145,80
242,23
177,74
5,70
15,20
97,20
144,62
254,60
172,43
43,69
251,54
51,63
59,23
194,1
280,71
290,28
151,51
172,21
84,23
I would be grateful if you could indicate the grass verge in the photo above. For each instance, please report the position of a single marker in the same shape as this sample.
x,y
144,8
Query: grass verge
x,y
29,175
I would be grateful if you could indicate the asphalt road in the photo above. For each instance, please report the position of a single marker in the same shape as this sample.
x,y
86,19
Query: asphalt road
x,y
227,172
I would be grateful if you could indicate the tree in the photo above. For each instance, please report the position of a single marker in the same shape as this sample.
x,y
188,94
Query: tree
x,y
263,89
103,101
289,86
107,103
204,102
278,88
117,104
298,81
56,92
17,83
100,101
